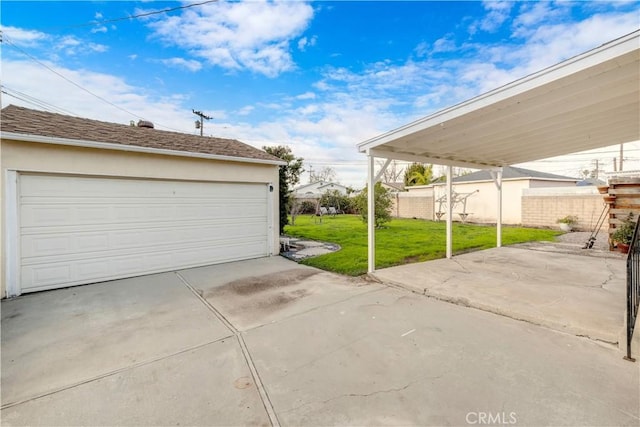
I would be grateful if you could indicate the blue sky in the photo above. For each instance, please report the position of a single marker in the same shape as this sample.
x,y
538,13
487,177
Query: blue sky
x,y
317,76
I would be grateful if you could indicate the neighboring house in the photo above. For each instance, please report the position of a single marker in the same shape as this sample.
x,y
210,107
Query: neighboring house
x,y
87,201
315,190
481,195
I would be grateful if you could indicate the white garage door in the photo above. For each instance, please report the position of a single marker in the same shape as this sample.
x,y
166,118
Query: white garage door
x,y
78,230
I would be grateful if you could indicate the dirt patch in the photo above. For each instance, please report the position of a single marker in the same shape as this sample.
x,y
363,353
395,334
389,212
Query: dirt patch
x,y
255,284
275,301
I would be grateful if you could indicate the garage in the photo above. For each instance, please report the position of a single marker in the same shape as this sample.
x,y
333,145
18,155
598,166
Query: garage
x,y
81,211
77,230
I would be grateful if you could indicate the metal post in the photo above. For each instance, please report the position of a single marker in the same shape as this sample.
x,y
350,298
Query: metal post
x,y
449,212
371,209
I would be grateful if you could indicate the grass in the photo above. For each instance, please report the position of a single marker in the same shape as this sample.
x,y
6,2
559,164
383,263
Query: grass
x,y
400,241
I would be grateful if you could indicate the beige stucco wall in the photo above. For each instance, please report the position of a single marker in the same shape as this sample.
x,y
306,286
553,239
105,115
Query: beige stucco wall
x,y
421,202
542,207
49,158
483,205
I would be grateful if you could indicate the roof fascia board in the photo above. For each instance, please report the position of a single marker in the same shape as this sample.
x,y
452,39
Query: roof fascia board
x,y
517,179
601,54
384,154
131,148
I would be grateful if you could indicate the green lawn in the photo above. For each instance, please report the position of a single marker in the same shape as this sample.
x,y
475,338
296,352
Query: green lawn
x,y
401,241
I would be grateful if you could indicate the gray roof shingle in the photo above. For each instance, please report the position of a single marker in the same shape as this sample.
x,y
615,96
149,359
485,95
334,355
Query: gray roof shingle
x,y
33,122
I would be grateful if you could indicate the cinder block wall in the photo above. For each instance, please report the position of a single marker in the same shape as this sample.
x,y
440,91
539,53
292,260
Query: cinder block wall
x,y
543,207
407,205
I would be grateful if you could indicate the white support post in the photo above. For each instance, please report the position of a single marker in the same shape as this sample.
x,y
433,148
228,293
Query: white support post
x,y
449,212
371,208
497,180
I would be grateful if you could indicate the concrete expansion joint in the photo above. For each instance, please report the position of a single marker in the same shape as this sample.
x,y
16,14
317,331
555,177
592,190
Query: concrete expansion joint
x,y
111,373
264,396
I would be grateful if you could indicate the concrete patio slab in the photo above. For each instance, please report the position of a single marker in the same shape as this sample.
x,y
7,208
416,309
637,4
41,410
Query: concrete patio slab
x,y
208,385
581,295
394,358
56,338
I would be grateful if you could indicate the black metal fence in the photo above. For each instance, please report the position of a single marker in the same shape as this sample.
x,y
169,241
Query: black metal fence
x,y
633,287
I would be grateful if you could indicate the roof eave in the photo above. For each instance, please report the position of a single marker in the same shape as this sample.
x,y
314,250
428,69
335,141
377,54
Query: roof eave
x,y
131,148
524,178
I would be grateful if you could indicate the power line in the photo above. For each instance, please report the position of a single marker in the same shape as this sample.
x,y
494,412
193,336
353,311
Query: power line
x,y
34,101
130,17
5,39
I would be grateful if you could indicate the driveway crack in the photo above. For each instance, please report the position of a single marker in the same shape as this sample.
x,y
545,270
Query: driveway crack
x,y
264,396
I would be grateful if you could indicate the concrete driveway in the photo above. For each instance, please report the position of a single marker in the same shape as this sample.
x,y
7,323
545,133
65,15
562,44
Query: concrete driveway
x,y
271,342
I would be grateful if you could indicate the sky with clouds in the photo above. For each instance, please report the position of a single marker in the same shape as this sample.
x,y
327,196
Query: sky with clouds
x,y
319,77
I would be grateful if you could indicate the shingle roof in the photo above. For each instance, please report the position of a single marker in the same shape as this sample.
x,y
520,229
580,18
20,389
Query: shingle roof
x,y
509,172
22,120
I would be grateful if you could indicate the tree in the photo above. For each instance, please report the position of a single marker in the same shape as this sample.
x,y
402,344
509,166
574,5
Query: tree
x,y
337,200
326,174
418,174
393,172
382,204
289,176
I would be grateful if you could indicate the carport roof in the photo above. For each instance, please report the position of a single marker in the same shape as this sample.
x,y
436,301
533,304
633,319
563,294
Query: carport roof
x,y
40,126
589,101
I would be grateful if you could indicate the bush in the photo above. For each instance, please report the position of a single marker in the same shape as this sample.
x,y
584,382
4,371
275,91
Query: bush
x,y
382,200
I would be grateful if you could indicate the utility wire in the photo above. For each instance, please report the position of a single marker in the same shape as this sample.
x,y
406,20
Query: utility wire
x,y
34,101
7,40
130,17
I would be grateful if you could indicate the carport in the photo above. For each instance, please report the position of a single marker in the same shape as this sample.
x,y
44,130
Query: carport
x,y
589,101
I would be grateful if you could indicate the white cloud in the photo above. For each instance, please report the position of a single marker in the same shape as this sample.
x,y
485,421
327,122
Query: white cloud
x,y
306,95
245,111
100,29
21,37
249,35
35,80
303,43
188,64
498,13
70,45
98,15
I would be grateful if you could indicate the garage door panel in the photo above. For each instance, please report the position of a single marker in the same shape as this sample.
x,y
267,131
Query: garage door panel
x,y
76,230
76,272
82,243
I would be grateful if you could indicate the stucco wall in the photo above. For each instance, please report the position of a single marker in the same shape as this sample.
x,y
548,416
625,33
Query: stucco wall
x,y
421,202
482,206
542,207
49,158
